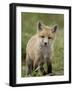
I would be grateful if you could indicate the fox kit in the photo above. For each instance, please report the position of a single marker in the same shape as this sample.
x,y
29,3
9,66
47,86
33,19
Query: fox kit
x,y
39,49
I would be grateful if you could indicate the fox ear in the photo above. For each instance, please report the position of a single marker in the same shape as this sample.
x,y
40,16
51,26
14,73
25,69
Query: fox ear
x,y
40,26
54,29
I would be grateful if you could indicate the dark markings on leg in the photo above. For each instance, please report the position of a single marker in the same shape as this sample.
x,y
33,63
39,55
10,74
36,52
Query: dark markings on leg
x,y
49,68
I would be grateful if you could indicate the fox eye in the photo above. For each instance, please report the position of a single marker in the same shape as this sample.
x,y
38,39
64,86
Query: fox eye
x,y
49,38
42,36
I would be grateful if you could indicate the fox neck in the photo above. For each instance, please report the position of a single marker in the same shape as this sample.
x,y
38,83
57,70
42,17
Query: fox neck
x,y
45,51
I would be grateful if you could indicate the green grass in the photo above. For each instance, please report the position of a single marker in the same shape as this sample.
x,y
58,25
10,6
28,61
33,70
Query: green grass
x,y
29,27
58,59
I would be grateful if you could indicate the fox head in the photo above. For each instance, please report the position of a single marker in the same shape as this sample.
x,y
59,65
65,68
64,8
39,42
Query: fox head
x,y
46,34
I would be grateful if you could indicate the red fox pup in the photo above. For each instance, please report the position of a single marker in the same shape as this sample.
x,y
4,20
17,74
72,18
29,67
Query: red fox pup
x,y
39,49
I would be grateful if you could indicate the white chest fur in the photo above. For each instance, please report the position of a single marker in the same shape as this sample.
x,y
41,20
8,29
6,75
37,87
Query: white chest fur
x,y
45,51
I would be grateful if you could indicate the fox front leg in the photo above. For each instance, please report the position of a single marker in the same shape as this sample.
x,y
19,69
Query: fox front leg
x,y
49,66
29,66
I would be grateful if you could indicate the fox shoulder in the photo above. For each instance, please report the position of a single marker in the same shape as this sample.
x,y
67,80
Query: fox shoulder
x,y
32,42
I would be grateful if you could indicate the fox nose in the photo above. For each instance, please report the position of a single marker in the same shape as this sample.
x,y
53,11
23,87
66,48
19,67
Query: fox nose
x,y
45,43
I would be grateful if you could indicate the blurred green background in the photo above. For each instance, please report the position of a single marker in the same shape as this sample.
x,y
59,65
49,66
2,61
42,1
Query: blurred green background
x,y
29,28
